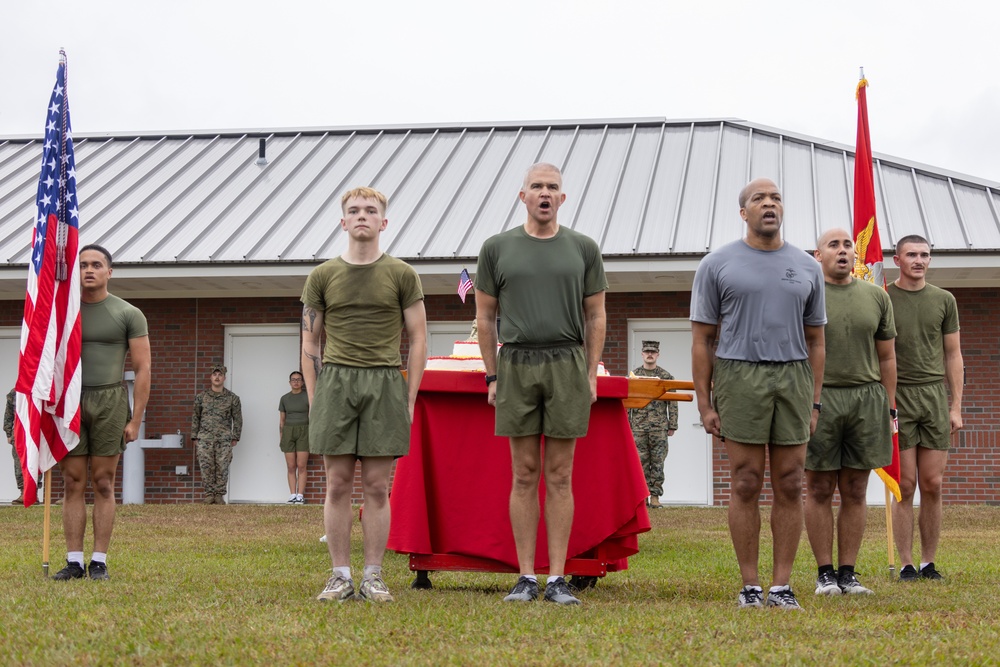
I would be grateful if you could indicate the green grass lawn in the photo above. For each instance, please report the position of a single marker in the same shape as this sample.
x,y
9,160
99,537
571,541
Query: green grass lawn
x,y
235,585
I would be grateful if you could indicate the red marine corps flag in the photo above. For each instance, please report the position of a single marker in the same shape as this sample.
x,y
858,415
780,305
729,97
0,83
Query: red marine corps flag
x,y
867,245
47,423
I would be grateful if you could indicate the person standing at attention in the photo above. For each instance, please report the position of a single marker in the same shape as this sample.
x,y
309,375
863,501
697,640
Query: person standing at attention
x,y
929,366
759,388
293,435
548,284
361,406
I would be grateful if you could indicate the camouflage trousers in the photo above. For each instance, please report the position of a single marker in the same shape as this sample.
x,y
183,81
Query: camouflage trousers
x,y
214,457
653,450
17,469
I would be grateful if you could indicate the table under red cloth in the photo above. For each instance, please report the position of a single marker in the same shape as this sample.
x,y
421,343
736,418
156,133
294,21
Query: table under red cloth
x,y
450,494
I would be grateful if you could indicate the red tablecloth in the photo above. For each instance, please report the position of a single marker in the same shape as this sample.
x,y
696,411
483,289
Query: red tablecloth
x,y
450,494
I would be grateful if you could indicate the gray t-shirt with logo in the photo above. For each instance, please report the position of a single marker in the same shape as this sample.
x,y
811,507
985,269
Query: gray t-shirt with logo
x,y
760,299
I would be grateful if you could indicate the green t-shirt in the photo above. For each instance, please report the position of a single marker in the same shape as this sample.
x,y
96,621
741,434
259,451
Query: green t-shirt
x,y
541,283
362,308
857,314
295,407
107,327
923,318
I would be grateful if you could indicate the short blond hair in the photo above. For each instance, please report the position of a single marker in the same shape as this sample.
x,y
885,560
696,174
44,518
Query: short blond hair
x,y
364,193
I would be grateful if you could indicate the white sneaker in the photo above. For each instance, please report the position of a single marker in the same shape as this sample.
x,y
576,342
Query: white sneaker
x,y
291,499
323,539
299,499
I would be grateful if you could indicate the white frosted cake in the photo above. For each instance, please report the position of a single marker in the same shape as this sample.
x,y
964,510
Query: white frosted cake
x,y
465,356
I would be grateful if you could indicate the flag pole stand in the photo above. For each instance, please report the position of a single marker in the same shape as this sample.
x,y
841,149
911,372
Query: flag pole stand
x,y
888,532
46,522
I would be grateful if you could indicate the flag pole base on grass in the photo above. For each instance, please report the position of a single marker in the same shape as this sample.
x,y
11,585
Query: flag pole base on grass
x,y
46,523
888,532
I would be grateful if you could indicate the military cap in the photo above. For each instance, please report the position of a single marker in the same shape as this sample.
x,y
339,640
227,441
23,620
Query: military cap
x,y
650,346
220,368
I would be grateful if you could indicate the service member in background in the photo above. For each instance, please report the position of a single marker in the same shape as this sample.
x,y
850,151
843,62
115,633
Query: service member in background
x,y
653,424
293,436
217,426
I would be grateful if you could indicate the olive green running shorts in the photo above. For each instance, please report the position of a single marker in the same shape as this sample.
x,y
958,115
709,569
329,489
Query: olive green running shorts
x,y
764,403
104,414
294,438
542,390
924,420
854,430
359,411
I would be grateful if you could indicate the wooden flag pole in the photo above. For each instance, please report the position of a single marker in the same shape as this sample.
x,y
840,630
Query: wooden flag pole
x,y
888,531
46,522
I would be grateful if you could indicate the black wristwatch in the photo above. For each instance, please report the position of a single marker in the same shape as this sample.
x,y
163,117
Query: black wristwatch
x,y
893,413
490,379
818,407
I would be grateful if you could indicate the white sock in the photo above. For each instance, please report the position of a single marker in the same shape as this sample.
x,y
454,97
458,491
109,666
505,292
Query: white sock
x,y
778,589
373,571
923,565
292,497
344,571
75,557
98,557
552,579
531,576
298,496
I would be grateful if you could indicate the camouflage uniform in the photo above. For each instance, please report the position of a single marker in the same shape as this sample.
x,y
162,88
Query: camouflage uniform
x,y
217,422
8,428
649,428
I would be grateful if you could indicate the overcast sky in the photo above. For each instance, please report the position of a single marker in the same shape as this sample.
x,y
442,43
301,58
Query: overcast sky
x,y
934,95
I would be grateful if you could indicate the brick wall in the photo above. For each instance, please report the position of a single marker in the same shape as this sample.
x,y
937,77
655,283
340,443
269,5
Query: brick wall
x,y
187,336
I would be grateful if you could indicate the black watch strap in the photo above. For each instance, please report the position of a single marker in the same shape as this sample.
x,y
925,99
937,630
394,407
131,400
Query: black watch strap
x,y
490,379
818,407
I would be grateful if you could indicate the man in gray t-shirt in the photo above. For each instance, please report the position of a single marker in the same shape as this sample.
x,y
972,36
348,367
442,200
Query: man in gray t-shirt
x,y
762,301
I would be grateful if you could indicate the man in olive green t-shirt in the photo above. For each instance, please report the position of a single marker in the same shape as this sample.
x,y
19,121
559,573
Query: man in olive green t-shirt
x,y
928,357
547,282
854,430
111,328
361,407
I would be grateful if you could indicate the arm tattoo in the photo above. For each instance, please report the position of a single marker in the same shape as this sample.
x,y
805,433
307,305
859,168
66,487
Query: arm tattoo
x,y
316,361
308,318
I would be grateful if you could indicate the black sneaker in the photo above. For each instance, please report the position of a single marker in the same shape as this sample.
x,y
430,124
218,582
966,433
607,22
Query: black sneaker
x,y
930,572
525,590
849,584
579,583
826,584
783,599
558,591
751,596
73,570
908,573
98,571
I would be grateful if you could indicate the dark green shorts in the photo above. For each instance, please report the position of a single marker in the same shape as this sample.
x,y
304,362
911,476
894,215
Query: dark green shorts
x,y
924,420
104,414
542,390
294,438
359,411
854,430
764,403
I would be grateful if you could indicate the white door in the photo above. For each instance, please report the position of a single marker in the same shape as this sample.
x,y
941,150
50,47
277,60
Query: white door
x,y
441,336
259,359
688,468
10,348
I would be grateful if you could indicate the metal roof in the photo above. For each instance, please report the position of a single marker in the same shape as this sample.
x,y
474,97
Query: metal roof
x,y
184,209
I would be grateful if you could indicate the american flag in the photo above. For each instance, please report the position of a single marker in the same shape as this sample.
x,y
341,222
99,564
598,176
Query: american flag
x,y
464,284
47,423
